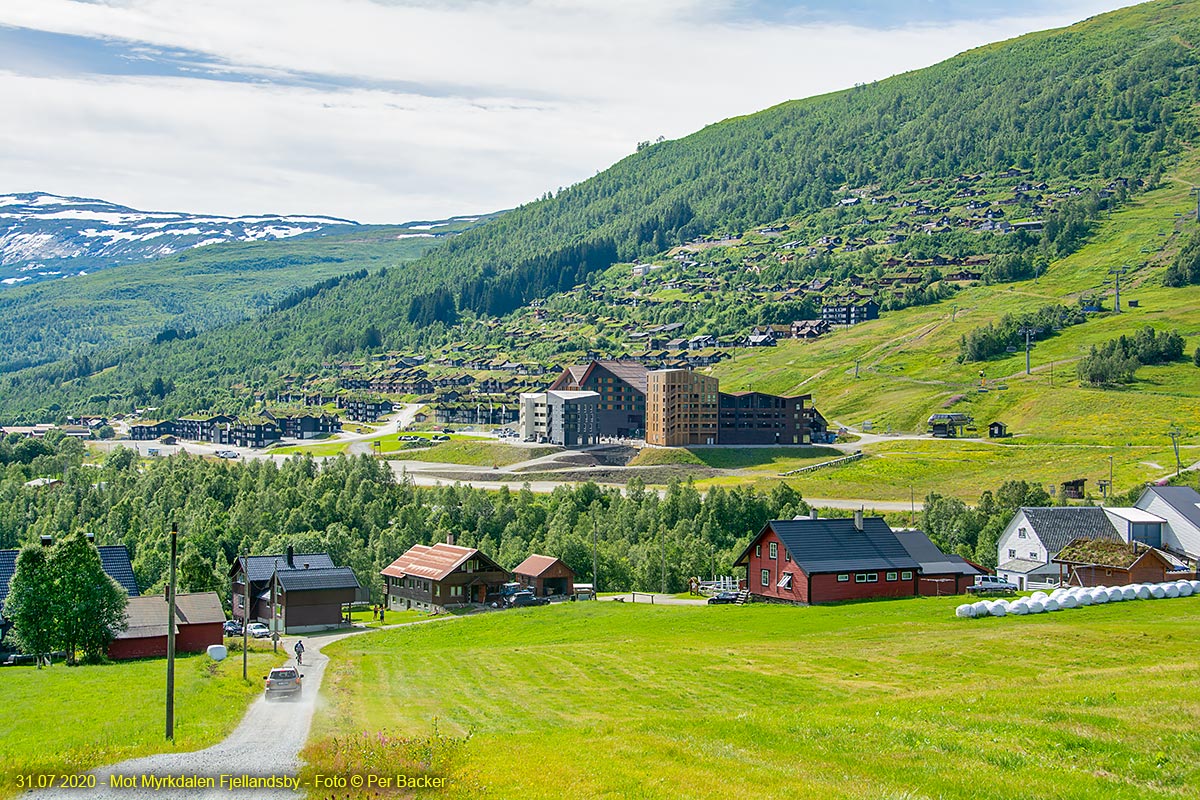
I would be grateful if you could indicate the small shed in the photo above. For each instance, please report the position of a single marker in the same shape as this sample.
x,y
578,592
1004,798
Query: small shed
x,y
547,576
1097,562
199,621
1074,490
997,430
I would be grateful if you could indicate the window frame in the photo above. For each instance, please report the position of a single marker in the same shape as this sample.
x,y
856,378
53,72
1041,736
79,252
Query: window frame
x,y
765,577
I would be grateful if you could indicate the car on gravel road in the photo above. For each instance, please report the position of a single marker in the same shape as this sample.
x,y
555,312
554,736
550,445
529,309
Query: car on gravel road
x,y
283,682
722,599
258,630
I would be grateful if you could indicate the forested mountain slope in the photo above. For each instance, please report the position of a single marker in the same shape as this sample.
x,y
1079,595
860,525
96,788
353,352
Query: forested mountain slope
x,y
1112,96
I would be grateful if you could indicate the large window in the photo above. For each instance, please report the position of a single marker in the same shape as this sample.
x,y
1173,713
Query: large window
x,y
774,548
766,577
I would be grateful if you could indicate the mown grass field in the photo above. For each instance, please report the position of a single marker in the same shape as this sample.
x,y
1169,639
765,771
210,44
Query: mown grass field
x,y
874,700
965,469
64,720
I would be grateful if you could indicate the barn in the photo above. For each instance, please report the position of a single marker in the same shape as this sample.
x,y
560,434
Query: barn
x,y
199,619
939,573
810,560
546,575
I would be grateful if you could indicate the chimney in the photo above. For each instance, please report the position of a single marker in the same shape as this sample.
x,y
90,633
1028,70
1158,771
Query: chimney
x,y
306,565
91,537
450,538
47,540
858,520
812,514
291,557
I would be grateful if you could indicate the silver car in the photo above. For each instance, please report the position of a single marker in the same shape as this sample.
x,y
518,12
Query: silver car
x,y
283,682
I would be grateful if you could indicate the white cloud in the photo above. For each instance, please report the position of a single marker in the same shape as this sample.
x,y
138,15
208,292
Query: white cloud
x,y
492,102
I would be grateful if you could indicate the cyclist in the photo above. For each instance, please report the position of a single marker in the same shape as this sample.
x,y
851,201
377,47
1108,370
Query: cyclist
x,y
299,648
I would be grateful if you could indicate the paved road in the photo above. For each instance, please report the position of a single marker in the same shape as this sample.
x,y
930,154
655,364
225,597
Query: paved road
x,y
659,599
268,740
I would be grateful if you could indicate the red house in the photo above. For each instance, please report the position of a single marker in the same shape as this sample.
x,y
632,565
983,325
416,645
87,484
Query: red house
x,y
940,573
548,576
826,560
199,619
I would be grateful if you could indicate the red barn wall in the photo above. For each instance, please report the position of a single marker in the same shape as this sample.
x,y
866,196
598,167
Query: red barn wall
x,y
760,559
828,589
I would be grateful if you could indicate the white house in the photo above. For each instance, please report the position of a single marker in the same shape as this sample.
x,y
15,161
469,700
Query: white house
x,y
1034,536
1179,509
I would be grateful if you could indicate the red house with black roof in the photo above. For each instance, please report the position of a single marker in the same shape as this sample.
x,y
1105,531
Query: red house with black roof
x,y
810,560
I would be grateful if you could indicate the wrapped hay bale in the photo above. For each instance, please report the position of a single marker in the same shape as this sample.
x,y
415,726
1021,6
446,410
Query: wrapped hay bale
x,y
998,609
1171,590
1143,592
982,608
1038,606
1068,601
1129,593
1185,589
1052,604
1158,592
966,611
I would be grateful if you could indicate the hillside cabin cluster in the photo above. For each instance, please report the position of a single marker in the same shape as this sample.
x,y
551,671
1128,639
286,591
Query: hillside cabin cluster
x,y
437,578
257,431
670,408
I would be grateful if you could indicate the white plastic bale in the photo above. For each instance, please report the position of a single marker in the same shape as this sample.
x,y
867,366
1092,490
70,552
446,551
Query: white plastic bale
x,y
1038,606
217,652
1039,597
1143,592
1171,590
1115,595
1195,587
1129,593
1052,604
966,611
999,609
1084,598
1068,601
982,608
1099,595
1158,592
1020,608
1185,589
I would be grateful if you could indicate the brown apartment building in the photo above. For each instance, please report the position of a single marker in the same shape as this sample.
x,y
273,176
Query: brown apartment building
x,y
621,407
681,408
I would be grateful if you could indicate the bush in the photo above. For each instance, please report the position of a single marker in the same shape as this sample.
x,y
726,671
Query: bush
x,y
1196,357
1117,360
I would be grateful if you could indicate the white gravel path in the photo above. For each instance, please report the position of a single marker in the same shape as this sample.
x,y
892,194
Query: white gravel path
x,y
267,742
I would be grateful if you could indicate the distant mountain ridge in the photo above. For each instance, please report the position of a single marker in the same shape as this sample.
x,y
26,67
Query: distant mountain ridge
x,y
45,236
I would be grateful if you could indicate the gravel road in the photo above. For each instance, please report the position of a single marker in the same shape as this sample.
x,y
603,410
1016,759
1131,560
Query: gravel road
x,y
267,742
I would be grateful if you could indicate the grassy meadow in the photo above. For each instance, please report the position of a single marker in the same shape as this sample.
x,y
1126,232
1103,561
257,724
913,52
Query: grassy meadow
x,y
891,699
68,720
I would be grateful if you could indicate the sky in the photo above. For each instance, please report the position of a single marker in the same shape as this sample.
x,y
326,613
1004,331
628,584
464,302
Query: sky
x,y
396,110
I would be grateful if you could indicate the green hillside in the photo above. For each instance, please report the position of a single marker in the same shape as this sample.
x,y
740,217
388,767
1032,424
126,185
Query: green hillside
x,y
1113,96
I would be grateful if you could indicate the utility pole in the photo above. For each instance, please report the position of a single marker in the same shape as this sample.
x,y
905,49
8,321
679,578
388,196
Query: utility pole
x,y
171,635
1028,332
953,312
1175,432
664,560
1196,191
1110,475
857,361
245,616
1117,272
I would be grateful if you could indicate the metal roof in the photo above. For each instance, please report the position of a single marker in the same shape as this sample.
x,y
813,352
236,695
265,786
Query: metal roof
x,y
932,560
1184,499
434,562
535,565
632,372
310,580
1024,566
1058,526
1133,514
146,616
261,568
835,545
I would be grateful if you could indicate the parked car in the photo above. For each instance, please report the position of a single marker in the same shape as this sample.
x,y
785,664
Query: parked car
x,y
258,630
227,454
233,627
283,682
991,583
722,599
524,599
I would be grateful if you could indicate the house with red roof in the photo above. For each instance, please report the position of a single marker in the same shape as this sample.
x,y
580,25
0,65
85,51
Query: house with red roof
x,y
438,577
546,576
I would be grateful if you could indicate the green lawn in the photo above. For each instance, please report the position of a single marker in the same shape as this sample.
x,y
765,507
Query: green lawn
x,y
390,618
966,469
67,720
891,699
474,453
